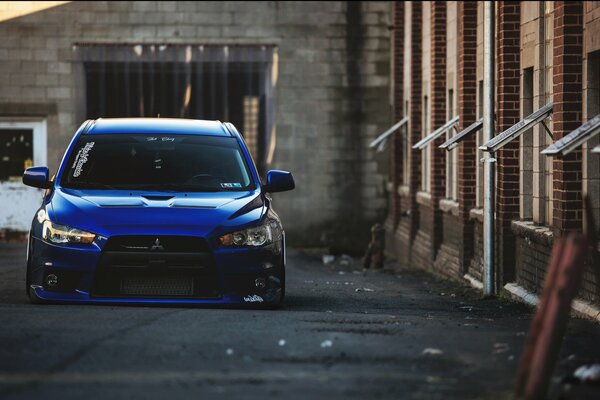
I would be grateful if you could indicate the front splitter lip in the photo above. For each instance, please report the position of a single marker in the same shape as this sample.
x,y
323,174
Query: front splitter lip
x,y
85,298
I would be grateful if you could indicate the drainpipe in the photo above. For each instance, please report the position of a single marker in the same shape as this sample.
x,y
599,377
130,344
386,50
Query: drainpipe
x,y
489,287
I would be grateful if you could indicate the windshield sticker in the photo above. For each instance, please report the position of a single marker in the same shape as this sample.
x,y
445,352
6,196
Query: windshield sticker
x,y
82,158
231,185
162,139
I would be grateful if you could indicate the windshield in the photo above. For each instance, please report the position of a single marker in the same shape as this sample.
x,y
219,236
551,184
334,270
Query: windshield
x,y
157,162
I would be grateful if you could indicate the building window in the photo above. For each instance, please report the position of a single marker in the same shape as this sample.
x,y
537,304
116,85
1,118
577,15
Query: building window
x,y
479,153
542,165
251,116
451,157
591,162
227,83
426,157
405,149
526,149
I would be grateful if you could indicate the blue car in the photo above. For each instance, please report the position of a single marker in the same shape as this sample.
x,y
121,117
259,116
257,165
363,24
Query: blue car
x,y
153,210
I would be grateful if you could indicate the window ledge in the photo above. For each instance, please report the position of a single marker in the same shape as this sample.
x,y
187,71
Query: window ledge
x,y
449,206
536,233
424,198
476,214
403,190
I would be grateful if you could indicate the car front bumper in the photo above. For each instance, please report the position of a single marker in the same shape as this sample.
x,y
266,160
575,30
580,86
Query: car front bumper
x,y
233,279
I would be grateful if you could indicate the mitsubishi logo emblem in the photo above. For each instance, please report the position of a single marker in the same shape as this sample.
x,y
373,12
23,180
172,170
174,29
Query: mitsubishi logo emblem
x,y
157,246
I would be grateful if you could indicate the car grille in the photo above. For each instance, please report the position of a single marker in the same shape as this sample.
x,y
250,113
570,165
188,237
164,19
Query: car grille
x,y
156,266
157,286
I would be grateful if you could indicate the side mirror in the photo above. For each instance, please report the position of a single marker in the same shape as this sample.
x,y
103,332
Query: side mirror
x,y
37,177
279,181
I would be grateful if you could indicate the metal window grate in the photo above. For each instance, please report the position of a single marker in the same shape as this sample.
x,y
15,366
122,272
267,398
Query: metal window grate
x,y
459,137
381,139
517,129
436,134
575,139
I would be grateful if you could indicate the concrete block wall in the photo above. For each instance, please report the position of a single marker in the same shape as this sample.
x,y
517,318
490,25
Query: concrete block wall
x,y
332,88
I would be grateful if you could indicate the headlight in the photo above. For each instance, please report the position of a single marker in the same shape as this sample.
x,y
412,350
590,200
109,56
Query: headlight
x,y
255,237
56,233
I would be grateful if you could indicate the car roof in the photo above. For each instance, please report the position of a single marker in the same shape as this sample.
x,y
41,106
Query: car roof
x,y
170,126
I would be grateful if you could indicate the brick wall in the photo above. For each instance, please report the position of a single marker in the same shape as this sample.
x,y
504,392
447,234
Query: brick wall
x,y
448,259
529,35
533,249
438,118
567,115
508,110
476,264
415,116
398,105
405,231
429,235
317,51
457,244
467,105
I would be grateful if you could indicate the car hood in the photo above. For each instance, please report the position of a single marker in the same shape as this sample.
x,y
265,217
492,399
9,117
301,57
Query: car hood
x,y
111,213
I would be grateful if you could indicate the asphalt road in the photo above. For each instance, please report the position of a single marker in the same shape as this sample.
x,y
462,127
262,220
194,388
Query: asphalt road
x,y
341,334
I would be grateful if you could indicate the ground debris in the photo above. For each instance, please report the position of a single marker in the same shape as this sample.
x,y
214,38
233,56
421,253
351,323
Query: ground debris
x,y
326,343
364,290
588,374
430,351
500,348
328,259
343,260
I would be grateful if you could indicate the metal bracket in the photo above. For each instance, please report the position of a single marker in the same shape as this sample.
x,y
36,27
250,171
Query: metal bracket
x,y
547,130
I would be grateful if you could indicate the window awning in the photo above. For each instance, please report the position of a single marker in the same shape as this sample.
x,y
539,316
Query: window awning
x,y
575,139
379,142
460,136
517,129
421,144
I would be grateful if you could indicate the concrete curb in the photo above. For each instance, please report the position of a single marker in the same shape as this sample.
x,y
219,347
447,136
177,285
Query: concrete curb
x,y
580,307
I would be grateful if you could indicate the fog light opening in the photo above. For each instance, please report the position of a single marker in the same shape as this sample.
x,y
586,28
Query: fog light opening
x,y
260,283
51,280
